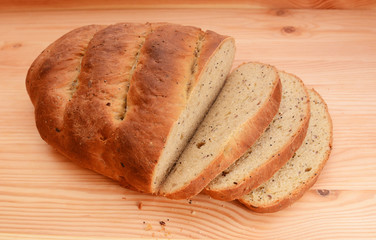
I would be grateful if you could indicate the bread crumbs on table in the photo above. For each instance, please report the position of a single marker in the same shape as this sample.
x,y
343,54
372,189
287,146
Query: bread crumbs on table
x,y
140,205
148,227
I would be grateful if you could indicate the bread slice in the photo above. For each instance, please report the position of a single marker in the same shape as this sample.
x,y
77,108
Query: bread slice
x,y
274,148
124,99
244,108
302,170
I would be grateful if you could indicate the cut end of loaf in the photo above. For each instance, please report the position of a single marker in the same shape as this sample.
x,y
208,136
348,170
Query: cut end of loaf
x,y
246,105
204,89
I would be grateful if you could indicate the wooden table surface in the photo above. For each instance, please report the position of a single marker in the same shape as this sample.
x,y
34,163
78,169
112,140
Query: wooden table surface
x,y
44,196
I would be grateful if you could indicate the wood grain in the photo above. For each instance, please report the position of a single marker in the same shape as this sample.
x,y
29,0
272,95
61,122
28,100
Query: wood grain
x,y
44,196
27,5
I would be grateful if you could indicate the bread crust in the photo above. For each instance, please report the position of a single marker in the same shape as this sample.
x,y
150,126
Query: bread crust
x,y
267,170
81,123
89,118
299,192
155,105
49,81
241,141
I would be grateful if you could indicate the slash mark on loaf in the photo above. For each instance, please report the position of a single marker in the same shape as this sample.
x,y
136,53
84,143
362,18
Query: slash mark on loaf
x,y
194,67
133,69
76,82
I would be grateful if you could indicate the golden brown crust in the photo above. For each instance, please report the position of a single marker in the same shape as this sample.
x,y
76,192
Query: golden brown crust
x,y
285,202
242,140
90,119
156,93
299,192
263,173
267,170
61,56
50,79
153,60
155,99
210,42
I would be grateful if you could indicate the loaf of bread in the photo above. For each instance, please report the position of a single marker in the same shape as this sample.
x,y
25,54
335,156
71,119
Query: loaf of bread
x,y
302,170
123,100
275,147
245,106
152,107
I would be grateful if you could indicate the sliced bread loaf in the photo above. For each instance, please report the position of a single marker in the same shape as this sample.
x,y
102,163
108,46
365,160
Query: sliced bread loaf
x,y
274,148
125,99
302,170
244,108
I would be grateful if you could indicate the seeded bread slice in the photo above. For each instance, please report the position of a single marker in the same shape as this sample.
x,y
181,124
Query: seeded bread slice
x,y
245,106
275,147
302,170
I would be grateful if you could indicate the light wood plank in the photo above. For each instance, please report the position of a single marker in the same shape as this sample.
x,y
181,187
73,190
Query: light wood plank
x,y
75,210
44,196
110,4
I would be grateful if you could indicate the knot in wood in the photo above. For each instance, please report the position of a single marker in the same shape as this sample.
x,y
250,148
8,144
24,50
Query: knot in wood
x,y
323,192
288,29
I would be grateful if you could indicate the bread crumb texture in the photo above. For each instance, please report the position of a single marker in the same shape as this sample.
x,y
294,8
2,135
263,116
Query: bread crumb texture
x,y
304,166
293,111
246,90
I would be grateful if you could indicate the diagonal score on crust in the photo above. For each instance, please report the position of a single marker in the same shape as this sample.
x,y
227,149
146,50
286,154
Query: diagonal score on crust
x,y
50,77
75,83
96,109
133,69
156,97
59,63
194,68
159,115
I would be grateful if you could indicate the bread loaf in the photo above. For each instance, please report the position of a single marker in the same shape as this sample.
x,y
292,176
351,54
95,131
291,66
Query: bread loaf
x,y
124,99
148,105
275,147
302,170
